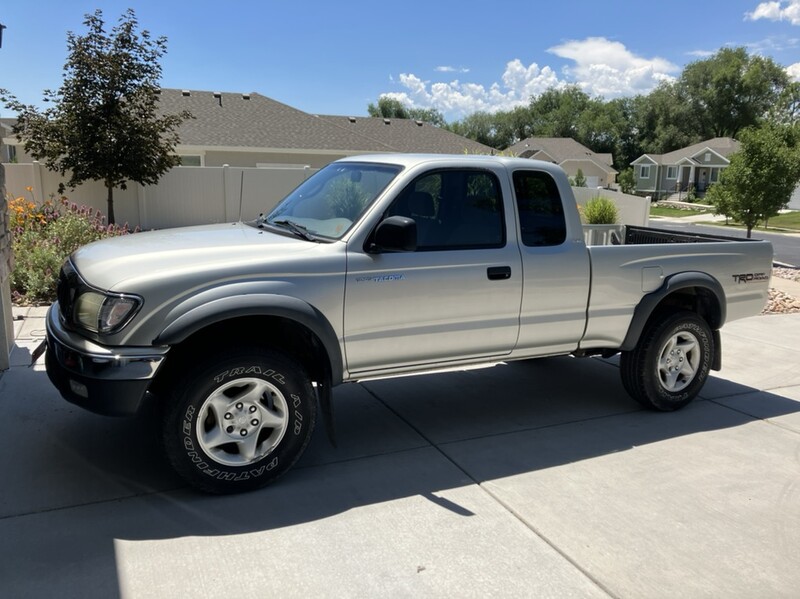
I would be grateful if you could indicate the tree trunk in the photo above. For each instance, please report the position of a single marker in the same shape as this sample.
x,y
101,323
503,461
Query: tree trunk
x,y
749,230
110,201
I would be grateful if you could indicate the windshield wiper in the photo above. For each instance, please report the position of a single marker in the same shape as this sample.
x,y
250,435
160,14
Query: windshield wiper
x,y
296,228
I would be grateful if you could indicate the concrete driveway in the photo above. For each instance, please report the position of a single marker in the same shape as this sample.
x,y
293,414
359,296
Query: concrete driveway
x,y
534,479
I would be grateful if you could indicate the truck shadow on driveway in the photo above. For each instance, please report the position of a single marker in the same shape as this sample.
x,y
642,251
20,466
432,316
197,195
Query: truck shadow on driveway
x,y
396,438
85,494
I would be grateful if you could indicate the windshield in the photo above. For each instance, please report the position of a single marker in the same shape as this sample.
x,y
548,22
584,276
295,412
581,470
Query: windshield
x,y
330,201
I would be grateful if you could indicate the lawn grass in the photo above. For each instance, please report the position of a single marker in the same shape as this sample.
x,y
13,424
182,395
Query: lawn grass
x,y
656,210
788,222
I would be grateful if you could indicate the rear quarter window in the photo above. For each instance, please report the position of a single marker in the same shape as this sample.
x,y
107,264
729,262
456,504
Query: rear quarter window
x,y
541,212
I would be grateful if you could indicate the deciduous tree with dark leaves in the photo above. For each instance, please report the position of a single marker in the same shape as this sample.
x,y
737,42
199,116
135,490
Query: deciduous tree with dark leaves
x,y
103,123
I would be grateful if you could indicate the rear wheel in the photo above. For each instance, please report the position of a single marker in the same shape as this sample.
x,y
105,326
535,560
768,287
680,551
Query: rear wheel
x,y
671,362
239,423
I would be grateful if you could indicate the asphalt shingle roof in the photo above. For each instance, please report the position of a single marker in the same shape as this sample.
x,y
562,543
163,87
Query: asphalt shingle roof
x,y
724,146
561,149
254,121
407,135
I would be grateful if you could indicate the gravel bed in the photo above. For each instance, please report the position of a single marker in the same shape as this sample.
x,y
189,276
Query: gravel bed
x,y
780,302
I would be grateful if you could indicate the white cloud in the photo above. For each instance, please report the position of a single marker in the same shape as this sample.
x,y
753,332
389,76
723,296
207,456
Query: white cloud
x,y
701,53
458,98
794,71
785,10
601,67
449,69
607,68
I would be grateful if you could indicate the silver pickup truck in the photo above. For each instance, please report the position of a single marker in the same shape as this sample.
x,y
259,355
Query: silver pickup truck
x,y
373,267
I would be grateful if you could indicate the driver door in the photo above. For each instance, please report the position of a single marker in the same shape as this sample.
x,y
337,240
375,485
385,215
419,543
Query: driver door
x,y
456,297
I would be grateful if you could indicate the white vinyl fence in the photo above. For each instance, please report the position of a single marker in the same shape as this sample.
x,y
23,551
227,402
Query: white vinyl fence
x,y
631,210
186,195
194,195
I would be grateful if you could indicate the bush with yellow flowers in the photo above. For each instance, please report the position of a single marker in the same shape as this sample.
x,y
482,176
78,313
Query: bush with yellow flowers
x,y
43,236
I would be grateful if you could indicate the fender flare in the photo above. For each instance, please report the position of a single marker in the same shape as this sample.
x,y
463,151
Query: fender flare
x,y
683,280
260,304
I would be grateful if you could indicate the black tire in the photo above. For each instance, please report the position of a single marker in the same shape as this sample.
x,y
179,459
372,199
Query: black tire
x,y
239,422
671,362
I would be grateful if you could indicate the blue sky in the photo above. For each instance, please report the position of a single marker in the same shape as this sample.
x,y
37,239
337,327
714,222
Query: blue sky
x,y
458,57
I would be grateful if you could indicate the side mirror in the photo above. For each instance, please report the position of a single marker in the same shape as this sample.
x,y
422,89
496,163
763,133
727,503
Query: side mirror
x,y
395,234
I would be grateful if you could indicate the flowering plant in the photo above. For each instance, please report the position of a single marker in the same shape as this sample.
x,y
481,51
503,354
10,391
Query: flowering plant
x,y
43,236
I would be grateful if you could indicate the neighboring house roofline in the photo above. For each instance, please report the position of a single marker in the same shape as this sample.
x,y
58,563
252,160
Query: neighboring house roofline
x,y
559,150
713,151
648,157
603,167
536,155
196,149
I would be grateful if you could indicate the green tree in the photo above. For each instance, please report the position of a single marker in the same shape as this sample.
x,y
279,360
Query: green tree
x,y
103,122
731,90
626,180
558,112
761,177
479,126
579,180
392,108
663,120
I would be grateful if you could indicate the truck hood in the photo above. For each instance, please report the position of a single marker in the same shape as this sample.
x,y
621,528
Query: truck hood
x,y
124,263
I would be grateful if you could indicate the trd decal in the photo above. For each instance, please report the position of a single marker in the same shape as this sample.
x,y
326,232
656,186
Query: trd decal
x,y
751,276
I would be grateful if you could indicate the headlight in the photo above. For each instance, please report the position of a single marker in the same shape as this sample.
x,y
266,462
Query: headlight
x,y
101,313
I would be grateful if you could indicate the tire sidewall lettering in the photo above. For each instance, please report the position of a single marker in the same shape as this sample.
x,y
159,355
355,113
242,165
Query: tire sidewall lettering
x,y
216,471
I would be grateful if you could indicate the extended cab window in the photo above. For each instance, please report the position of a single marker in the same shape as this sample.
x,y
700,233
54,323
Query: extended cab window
x,y
541,213
454,209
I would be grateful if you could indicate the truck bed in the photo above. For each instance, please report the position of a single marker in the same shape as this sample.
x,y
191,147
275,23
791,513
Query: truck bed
x,y
598,235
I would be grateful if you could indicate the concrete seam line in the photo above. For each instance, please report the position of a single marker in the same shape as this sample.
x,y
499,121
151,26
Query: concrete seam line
x,y
497,500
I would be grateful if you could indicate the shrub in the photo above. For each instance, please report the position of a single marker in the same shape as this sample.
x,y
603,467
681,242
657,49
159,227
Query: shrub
x,y
43,237
600,211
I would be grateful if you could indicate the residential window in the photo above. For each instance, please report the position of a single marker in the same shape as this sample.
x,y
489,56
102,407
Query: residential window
x,y
708,156
644,171
541,213
714,175
454,209
672,172
191,160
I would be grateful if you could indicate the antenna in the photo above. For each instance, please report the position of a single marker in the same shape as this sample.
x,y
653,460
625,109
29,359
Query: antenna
x,y
241,195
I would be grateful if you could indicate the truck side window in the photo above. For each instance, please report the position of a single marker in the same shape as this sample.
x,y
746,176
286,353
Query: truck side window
x,y
541,213
454,209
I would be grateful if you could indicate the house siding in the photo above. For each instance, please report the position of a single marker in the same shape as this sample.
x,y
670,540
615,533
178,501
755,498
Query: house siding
x,y
646,183
216,158
589,169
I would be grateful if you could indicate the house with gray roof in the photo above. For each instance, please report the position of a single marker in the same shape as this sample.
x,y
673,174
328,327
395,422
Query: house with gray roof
x,y
571,156
253,130
412,136
696,166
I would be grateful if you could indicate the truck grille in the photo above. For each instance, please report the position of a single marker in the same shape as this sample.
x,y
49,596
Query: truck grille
x,y
66,291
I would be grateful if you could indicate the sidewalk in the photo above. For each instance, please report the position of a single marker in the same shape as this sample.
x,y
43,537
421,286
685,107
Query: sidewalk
x,y
537,479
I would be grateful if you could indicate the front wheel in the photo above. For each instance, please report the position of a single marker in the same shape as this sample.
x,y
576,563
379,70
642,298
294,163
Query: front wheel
x,y
671,362
238,423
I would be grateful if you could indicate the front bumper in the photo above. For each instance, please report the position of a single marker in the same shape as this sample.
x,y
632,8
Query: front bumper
x,y
107,380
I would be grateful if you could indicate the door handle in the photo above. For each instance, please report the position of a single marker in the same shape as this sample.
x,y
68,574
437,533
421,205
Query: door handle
x,y
498,273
